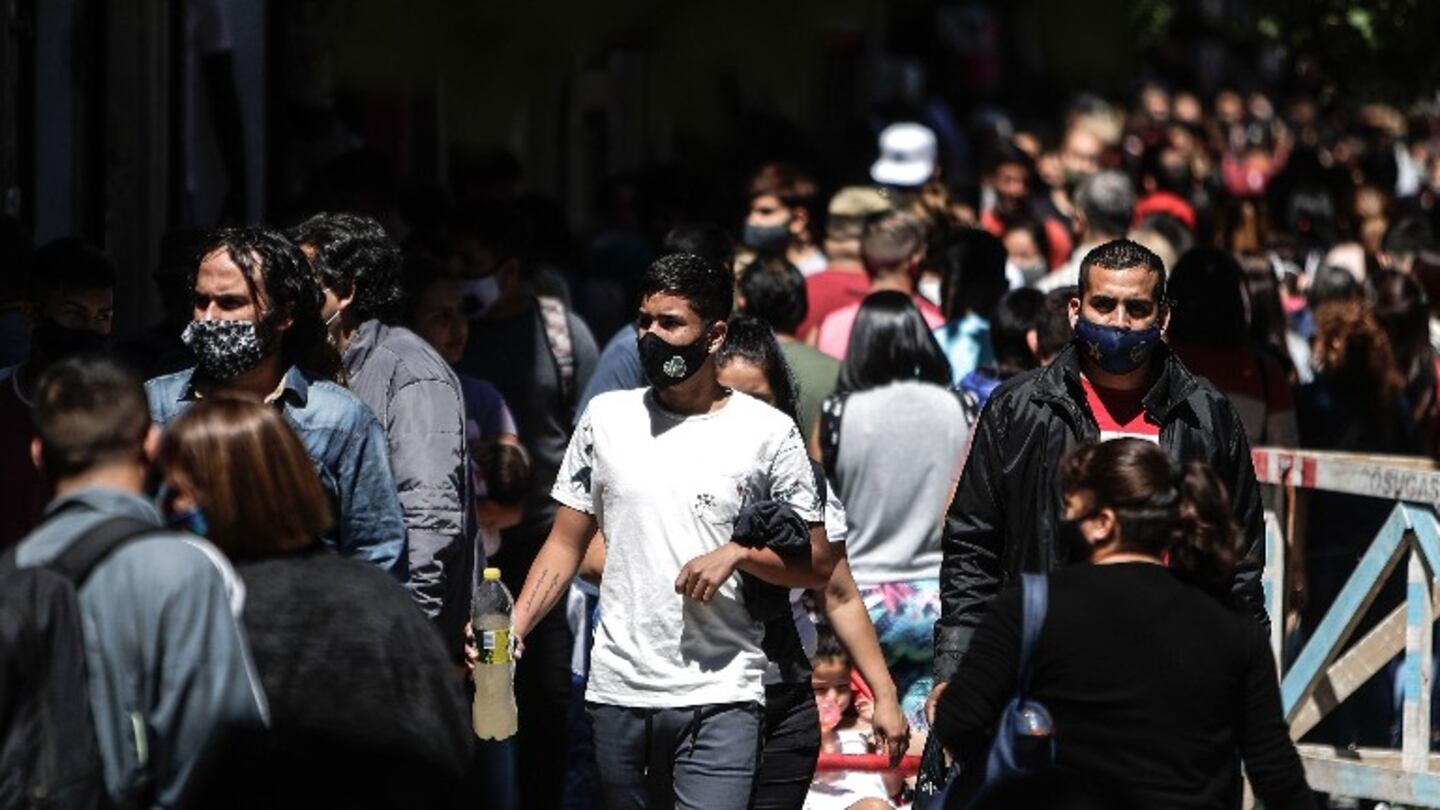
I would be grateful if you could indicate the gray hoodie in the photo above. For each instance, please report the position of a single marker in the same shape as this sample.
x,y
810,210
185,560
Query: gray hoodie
x,y
417,398
165,653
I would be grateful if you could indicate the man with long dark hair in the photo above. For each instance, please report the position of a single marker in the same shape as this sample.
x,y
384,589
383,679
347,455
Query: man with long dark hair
x,y
257,333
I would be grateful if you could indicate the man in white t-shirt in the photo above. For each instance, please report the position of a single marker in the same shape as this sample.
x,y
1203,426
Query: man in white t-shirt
x,y
675,686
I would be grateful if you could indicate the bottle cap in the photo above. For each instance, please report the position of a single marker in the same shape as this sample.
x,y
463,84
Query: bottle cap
x,y
492,573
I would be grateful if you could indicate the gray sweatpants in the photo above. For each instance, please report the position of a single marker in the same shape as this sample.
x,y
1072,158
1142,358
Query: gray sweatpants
x,y
693,758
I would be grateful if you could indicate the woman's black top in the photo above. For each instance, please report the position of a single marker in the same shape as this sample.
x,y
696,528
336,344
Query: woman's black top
x,y
1154,687
366,708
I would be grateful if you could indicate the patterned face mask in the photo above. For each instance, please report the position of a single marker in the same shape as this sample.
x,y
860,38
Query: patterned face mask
x,y
224,349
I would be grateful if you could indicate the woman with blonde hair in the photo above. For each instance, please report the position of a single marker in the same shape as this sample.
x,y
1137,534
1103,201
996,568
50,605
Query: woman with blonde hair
x,y
365,707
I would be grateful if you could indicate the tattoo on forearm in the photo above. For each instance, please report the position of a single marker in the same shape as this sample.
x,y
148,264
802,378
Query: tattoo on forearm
x,y
543,589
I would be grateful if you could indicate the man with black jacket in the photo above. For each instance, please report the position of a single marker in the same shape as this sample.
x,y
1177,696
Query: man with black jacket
x,y
1116,378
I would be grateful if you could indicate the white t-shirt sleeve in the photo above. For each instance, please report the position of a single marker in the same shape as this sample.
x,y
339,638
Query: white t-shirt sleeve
x,y
792,479
573,483
835,527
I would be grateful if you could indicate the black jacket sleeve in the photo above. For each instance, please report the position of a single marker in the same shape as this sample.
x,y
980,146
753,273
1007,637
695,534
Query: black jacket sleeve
x,y
1271,761
1245,503
966,714
972,541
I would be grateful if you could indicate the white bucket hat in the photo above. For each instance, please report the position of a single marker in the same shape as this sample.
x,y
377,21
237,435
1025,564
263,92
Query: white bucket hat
x,y
907,155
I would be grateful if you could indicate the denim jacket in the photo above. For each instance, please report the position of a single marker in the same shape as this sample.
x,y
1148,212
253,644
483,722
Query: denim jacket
x,y
348,446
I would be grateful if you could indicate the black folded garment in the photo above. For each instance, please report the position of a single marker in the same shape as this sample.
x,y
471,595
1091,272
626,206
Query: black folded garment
x,y
772,525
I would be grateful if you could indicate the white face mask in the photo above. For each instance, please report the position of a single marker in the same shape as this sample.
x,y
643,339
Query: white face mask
x,y
480,294
929,289
1030,273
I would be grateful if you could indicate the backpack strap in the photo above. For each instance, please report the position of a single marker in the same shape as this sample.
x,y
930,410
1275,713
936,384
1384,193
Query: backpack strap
x,y
831,411
969,405
76,562
1036,591
562,348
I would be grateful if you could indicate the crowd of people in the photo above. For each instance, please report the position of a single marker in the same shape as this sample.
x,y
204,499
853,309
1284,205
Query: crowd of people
x,y
780,507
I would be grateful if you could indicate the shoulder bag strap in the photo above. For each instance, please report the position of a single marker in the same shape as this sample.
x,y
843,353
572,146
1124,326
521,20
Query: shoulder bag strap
x,y
562,349
831,411
87,551
1035,588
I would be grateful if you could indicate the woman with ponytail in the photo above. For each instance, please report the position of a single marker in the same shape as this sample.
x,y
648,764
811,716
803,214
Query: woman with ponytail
x,y
1156,684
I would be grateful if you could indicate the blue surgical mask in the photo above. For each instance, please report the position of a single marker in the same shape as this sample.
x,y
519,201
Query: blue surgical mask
x,y
191,520
1114,349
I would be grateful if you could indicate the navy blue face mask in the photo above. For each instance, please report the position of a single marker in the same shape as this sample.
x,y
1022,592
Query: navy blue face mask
x,y
190,520
1114,349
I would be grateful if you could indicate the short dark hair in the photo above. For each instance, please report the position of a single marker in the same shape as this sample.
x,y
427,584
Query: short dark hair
x,y
1123,254
889,238
709,289
70,263
1166,165
774,291
354,253
1017,313
1331,283
1006,153
972,268
89,411
1052,324
1207,297
272,263
891,342
828,646
704,239
1033,226
752,340
1408,236
788,183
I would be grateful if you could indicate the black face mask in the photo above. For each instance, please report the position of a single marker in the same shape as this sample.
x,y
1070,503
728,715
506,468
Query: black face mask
x,y
58,342
1070,542
666,364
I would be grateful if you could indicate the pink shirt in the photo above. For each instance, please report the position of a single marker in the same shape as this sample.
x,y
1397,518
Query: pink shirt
x,y
834,335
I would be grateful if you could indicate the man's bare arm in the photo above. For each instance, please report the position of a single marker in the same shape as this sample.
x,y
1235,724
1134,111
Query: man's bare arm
x,y
554,567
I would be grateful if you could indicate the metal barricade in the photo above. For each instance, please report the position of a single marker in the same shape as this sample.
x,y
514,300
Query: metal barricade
x,y
1325,672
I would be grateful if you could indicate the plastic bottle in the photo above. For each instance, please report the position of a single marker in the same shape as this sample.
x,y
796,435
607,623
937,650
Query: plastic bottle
x,y
493,713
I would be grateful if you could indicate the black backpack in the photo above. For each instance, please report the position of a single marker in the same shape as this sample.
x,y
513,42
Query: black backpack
x,y
49,756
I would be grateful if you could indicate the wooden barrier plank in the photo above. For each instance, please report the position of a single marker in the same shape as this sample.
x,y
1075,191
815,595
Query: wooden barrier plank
x,y
1346,777
1383,757
1273,580
1349,606
1415,674
1392,478
1426,526
1350,671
